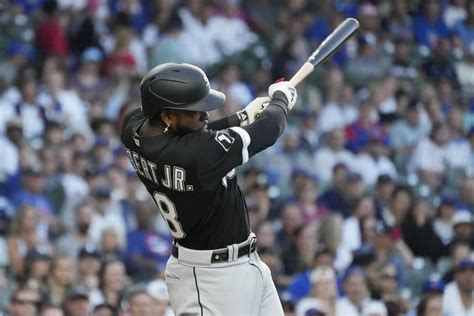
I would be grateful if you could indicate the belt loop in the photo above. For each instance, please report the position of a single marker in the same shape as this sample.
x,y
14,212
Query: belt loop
x,y
233,252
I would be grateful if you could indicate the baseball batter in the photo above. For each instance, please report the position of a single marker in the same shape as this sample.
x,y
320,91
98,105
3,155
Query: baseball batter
x,y
188,166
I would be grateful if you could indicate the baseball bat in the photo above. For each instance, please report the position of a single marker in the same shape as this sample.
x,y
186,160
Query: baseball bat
x,y
326,49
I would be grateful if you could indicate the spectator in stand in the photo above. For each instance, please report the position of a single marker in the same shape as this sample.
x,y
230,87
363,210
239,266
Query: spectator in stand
x,y
25,234
51,310
50,34
27,108
228,82
443,223
457,252
466,194
88,82
358,132
399,22
462,29
60,280
112,282
357,295
32,193
419,234
429,157
458,298
462,228
428,25
170,47
23,303
160,299
108,213
402,200
77,302
326,157
323,292
339,112
147,249
430,306
37,268
305,200
402,66
237,36
140,303
297,256
372,159
71,242
291,219
405,133
454,12
104,309
88,265
439,65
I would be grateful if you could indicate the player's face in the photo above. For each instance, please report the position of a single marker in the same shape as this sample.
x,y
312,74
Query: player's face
x,y
189,121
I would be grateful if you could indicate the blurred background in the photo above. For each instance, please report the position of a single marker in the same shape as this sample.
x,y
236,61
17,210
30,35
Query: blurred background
x,y
364,206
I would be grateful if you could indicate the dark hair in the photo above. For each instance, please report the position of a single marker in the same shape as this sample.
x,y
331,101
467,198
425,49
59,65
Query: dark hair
x,y
103,268
136,291
423,304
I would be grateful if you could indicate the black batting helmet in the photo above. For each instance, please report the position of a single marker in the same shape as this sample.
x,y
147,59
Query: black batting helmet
x,y
178,86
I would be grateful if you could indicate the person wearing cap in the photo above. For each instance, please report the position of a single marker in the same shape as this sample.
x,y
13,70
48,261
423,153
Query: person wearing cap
x,y
88,266
87,82
32,192
458,298
77,301
443,224
356,291
463,228
432,287
108,214
37,264
323,292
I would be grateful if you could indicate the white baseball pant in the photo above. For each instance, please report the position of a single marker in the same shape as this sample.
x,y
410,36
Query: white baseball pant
x,y
242,287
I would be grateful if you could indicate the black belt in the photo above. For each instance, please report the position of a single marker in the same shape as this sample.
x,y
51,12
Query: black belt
x,y
222,255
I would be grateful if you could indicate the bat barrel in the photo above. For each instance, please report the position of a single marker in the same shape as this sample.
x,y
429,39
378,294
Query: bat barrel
x,y
333,41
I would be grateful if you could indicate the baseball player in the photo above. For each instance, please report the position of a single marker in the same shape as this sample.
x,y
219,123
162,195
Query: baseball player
x,y
188,166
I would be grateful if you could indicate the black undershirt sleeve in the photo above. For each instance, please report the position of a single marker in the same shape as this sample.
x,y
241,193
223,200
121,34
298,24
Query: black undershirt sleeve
x,y
268,127
225,122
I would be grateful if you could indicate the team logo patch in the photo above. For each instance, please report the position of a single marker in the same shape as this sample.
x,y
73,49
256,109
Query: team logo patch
x,y
224,139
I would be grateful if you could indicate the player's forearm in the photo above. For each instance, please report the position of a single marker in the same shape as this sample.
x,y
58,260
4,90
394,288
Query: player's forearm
x,y
268,127
225,122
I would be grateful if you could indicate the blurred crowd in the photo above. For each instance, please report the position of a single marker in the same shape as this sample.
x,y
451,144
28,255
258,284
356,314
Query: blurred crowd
x,y
364,206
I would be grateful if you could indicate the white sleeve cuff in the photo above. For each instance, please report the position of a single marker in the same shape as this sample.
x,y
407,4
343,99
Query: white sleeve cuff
x,y
245,142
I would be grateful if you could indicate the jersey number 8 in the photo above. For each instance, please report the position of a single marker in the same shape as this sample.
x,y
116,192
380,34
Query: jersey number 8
x,y
168,211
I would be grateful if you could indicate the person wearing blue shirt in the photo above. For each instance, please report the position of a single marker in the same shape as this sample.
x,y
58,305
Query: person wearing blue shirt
x,y
429,26
147,249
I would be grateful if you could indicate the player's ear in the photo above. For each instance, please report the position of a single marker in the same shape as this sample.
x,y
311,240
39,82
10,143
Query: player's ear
x,y
166,116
